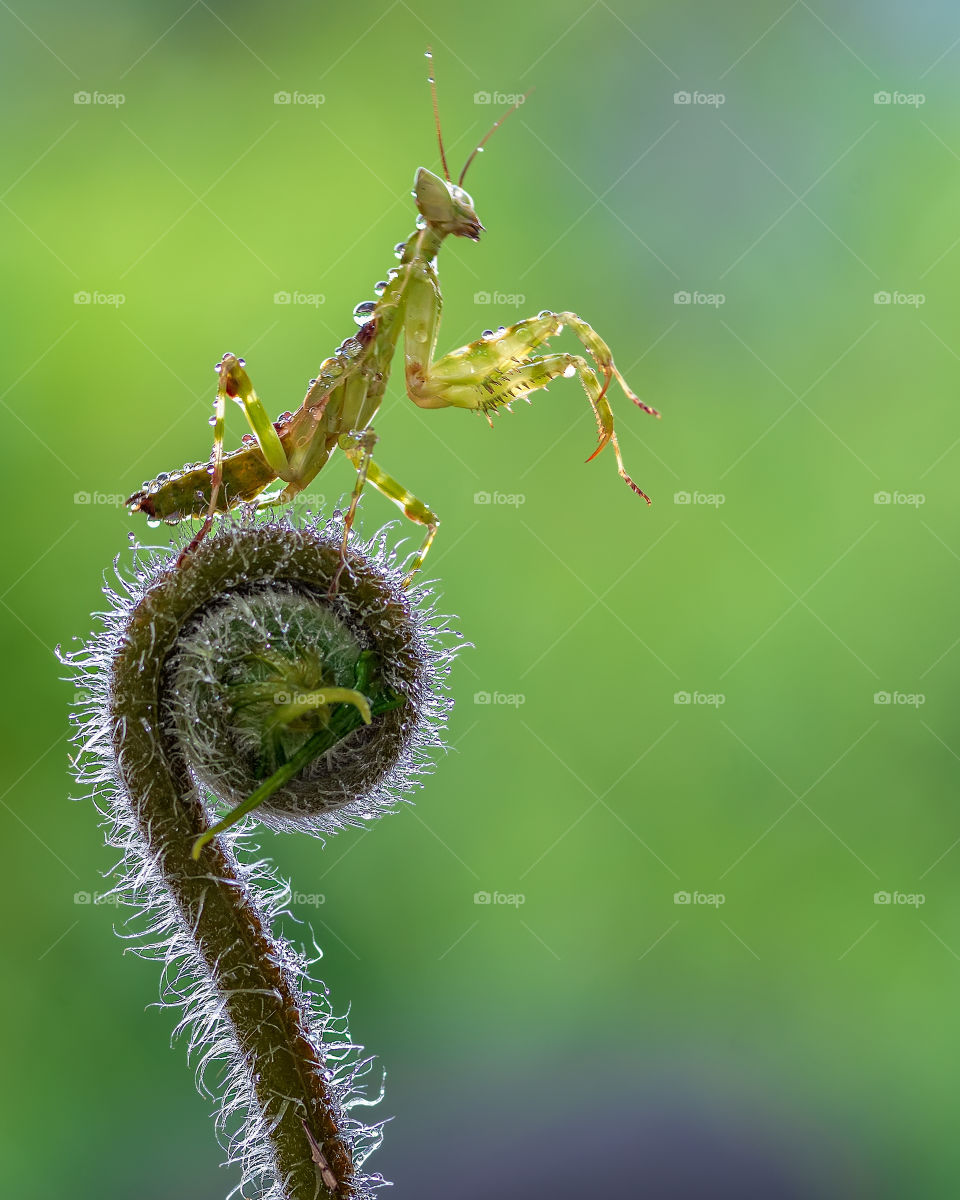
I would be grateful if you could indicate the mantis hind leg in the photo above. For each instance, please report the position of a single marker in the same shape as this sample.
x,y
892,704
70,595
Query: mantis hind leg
x,y
359,449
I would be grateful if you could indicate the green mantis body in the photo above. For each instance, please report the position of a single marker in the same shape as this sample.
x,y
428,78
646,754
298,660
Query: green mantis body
x,y
340,405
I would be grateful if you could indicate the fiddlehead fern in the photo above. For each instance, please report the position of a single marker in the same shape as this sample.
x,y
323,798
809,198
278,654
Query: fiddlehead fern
x,y
238,672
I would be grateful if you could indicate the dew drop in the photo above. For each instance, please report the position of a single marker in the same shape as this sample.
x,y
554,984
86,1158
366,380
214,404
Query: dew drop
x,y
380,287
242,362
211,420
545,313
153,522
399,249
487,335
421,221
364,310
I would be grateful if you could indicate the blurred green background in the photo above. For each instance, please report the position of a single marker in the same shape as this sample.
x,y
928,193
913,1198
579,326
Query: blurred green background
x,y
799,1039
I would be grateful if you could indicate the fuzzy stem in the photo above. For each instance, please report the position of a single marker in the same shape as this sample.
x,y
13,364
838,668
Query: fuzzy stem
x,y
258,994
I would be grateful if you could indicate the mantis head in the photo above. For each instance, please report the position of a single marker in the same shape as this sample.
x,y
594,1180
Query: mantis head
x,y
445,206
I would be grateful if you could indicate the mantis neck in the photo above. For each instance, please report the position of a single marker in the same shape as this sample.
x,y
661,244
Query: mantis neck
x,y
423,245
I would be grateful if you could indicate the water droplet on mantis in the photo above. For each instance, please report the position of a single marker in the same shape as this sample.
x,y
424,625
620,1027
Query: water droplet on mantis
x,y
364,310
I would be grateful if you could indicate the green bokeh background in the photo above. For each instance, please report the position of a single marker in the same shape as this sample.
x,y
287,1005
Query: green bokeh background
x,y
601,1039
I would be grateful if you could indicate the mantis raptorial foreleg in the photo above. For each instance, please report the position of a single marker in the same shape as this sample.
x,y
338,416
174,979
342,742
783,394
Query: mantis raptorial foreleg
x,y
501,367
234,384
358,447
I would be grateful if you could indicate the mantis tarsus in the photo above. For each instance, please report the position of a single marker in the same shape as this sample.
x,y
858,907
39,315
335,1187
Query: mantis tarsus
x,y
341,403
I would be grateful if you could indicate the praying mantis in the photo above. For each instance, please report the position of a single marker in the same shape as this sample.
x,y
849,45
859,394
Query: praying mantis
x,y
338,411
341,404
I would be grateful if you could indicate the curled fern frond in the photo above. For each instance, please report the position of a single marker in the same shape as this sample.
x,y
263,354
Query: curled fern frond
x,y
257,668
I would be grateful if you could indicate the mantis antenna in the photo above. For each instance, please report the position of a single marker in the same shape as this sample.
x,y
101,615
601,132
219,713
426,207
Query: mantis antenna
x,y
487,136
436,114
